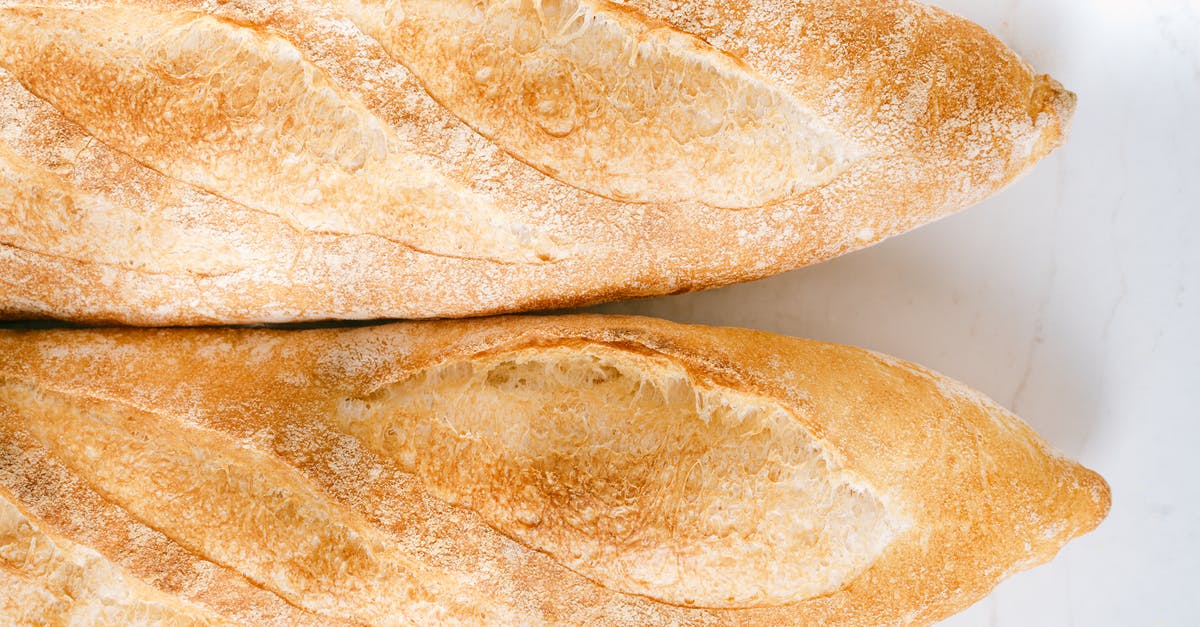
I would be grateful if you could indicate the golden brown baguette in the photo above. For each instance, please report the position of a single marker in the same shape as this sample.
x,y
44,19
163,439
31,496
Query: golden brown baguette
x,y
191,162
525,470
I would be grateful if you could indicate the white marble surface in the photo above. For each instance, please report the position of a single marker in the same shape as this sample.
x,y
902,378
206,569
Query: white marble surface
x,y
1072,298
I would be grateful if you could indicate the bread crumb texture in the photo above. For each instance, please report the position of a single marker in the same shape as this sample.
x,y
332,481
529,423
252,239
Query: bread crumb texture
x,y
624,470
180,162
603,98
560,470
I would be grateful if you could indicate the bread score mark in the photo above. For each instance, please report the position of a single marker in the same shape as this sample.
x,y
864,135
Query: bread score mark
x,y
45,578
603,98
627,470
45,215
238,507
238,111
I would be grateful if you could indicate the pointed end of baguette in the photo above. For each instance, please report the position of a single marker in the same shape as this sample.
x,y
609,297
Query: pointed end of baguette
x,y
1052,108
1076,504
1096,499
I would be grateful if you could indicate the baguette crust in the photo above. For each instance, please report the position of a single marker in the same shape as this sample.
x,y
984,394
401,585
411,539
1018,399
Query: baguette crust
x,y
215,104
46,579
895,114
600,97
354,437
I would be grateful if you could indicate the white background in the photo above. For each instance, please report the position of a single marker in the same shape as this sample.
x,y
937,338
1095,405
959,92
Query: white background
x,y
1072,298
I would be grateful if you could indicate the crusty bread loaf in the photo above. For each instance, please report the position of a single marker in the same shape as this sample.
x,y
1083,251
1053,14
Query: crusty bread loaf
x,y
196,161
566,470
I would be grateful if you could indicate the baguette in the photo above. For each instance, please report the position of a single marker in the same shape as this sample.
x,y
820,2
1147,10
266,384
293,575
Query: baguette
x,y
171,162
562,470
